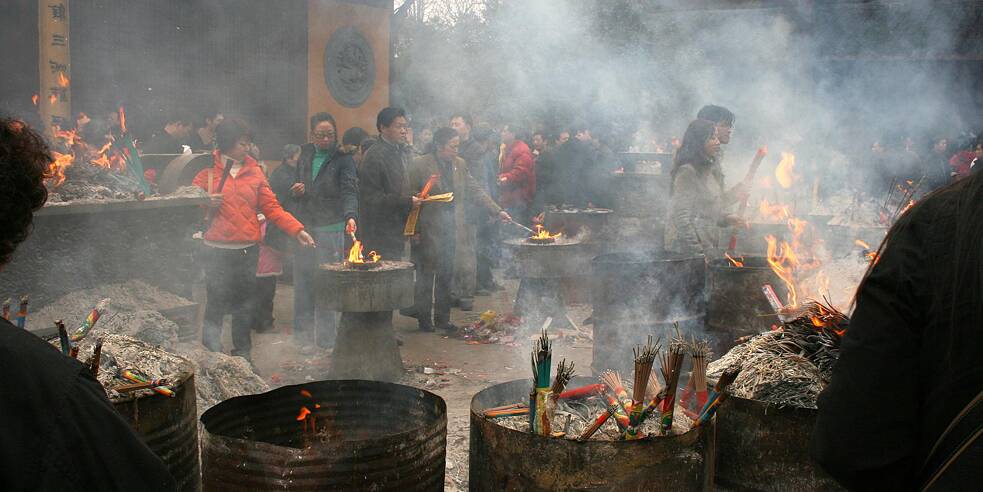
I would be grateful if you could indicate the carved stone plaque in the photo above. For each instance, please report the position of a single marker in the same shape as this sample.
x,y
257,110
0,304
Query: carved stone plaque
x,y
349,67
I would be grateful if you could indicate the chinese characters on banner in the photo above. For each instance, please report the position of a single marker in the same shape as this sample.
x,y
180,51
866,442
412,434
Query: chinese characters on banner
x,y
55,101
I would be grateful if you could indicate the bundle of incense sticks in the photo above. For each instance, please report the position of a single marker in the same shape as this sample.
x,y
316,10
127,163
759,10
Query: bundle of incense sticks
x,y
506,410
22,312
542,359
671,364
613,381
90,321
644,359
6,309
718,395
564,373
697,384
158,386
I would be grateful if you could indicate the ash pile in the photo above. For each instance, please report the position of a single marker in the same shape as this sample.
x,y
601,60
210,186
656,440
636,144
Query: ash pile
x,y
134,312
789,366
87,181
616,409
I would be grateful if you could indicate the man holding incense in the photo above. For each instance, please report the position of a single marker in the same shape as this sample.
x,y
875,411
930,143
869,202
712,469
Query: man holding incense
x,y
434,248
61,431
384,191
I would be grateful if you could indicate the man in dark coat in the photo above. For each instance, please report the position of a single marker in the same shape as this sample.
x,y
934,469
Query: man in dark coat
x,y
384,191
326,201
910,359
61,432
434,250
172,138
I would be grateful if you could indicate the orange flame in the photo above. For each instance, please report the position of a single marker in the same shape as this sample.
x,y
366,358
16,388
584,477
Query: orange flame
x,y
542,233
782,260
34,99
355,254
775,212
737,263
63,80
122,120
306,393
304,412
862,244
785,172
57,168
52,99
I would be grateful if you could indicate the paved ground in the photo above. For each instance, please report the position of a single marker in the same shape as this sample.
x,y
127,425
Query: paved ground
x,y
459,369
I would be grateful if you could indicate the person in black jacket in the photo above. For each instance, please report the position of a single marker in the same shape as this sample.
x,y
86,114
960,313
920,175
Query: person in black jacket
x,y
910,361
325,194
384,189
61,432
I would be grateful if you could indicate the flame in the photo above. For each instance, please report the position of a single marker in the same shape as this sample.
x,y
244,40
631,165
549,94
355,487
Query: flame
x,y
34,99
122,120
52,99
776,212
737,263
57,168
355,254
862,244
785,172
306,393
782,260
63,80
543,234
304,412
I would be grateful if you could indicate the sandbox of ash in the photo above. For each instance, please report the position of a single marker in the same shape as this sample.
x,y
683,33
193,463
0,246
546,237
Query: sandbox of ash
x,y
135,313
789,366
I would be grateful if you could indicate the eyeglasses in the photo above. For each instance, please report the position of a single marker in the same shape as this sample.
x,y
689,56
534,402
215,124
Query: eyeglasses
x,y
323,134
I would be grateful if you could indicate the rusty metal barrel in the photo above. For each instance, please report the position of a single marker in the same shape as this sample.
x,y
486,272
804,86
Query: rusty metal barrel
x,y
736,306
506,459
169,426
377,436
640,294
761,446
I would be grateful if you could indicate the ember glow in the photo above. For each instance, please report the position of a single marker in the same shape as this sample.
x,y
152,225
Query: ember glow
x,y
739,263
773,212
57,168
63,80
34,99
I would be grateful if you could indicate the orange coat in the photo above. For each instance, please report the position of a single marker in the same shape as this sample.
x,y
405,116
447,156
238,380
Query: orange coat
x,y
243,196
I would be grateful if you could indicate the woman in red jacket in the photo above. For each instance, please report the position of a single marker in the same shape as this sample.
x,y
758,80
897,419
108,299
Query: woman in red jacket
x,y
239,191
517,176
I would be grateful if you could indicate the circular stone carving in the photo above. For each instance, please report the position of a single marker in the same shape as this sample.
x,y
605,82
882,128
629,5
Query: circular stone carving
x,y
349,67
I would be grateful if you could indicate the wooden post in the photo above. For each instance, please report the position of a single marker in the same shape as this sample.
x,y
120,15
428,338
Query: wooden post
x,y
54,94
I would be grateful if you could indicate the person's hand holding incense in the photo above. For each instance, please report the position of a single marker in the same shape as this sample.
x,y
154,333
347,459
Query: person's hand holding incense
x,y
506,218
297,189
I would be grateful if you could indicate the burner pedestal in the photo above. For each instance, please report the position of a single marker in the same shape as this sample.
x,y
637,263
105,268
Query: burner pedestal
x,y
542,268
365,347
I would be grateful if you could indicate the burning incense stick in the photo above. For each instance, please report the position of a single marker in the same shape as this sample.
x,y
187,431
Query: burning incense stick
x,y
66,344
22,312
672,362
613,381
718,396
90,321
564,374
700,351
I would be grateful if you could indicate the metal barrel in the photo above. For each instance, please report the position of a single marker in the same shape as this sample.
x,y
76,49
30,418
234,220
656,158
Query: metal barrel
x,y
506,459
169,427
736,307
381,436
761,446
641,294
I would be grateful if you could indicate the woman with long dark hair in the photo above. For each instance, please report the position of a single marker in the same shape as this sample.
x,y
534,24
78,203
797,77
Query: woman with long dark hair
x,y
912,360
697,196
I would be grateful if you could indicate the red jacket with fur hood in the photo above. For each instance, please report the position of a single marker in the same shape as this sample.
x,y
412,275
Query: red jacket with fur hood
x,y
243,196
